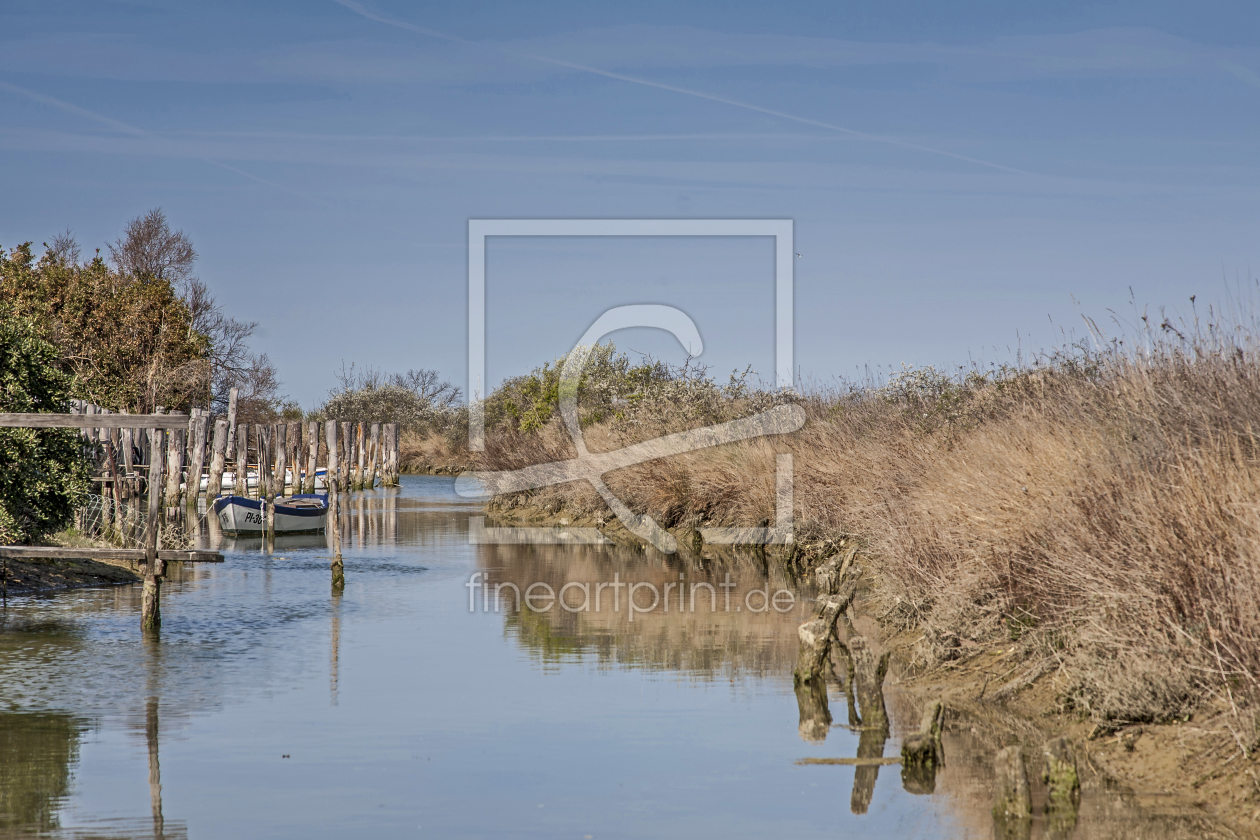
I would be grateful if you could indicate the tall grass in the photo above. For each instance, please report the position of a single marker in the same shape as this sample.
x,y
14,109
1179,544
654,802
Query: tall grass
x,y
1099,507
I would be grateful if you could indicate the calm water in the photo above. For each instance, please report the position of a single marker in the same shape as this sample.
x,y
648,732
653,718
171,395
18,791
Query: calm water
x,y
274,708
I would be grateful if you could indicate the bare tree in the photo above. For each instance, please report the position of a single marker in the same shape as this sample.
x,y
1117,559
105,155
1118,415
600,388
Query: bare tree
x,y
65,248
429,386
149,248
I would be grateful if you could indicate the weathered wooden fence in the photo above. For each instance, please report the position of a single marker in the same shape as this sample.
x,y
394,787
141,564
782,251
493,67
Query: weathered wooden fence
x,y
209,455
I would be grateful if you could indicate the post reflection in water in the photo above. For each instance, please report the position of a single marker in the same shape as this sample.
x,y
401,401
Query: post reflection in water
x,y
155,767
334,644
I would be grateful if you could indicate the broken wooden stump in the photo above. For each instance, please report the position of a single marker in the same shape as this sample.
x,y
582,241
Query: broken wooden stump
x,y
815,712
816,634
1063,788
922,754
1012,798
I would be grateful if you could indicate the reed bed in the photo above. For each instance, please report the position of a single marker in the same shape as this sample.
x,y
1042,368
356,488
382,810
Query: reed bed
x,y
1099,508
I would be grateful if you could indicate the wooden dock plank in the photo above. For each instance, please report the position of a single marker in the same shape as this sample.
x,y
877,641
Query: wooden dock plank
x,y
42,552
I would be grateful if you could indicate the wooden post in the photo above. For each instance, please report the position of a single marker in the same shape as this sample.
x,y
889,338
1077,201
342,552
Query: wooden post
x,y
375,449
242,461
345,456
334,515
231,418
174,465
282,456
394,448
266,475
198,458
131,487
312,459
295,449
218,459
154,567
111,472
360,480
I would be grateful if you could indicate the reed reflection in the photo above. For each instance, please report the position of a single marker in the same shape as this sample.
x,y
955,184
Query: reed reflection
x,y
710,630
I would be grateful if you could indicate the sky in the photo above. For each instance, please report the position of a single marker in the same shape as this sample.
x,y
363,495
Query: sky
x,y
966,181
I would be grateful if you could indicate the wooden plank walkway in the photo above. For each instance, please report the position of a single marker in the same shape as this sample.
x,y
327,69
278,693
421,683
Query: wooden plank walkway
x,y
136,555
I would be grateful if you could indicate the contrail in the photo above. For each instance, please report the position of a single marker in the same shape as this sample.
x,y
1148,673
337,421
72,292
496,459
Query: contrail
x,y
699,94
131,130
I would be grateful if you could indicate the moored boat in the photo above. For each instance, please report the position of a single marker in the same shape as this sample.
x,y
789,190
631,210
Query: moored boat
x,y
301,514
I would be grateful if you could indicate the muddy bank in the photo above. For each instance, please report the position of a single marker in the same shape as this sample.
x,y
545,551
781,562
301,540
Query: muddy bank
x,y
23,577
425,468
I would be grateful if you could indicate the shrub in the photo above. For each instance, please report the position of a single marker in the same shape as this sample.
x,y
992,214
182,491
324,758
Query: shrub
x,y
42,471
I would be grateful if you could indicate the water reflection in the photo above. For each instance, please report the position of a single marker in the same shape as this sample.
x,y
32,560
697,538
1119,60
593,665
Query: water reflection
x,y
384,694
37,752
713,633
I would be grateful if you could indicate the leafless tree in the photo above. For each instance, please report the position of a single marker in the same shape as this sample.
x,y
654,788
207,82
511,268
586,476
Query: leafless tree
x,y
65,248
149,248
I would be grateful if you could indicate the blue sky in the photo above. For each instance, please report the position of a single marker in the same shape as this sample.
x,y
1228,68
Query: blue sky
x,y
965,179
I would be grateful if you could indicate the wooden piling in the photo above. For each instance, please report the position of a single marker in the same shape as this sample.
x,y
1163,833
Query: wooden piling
x,y
334,515
131,486
394,452
282,456
361,479
218,458
197,459
231,418
1011,798
242,461
308,486
266,475
295,457
174,465
374,455
154,567
115,482
345,456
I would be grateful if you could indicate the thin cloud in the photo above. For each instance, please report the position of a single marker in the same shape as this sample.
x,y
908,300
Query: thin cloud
x,y
556,62
124,128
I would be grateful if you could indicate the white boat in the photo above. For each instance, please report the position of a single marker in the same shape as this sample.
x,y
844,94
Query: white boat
x,y
301,514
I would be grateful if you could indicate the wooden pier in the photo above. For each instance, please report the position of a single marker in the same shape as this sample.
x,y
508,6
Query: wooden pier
x,y
165,462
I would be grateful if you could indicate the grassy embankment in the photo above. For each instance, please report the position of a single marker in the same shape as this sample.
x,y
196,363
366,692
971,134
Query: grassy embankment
x,y
1098,509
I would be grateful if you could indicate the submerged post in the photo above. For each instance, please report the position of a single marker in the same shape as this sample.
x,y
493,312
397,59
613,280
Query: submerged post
x,y
334,520
150,604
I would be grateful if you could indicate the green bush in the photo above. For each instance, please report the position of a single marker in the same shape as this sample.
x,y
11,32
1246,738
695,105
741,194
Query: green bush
x,y
43,472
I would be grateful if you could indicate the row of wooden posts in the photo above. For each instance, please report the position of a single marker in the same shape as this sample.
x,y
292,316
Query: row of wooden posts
x,y
359,453
353,454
